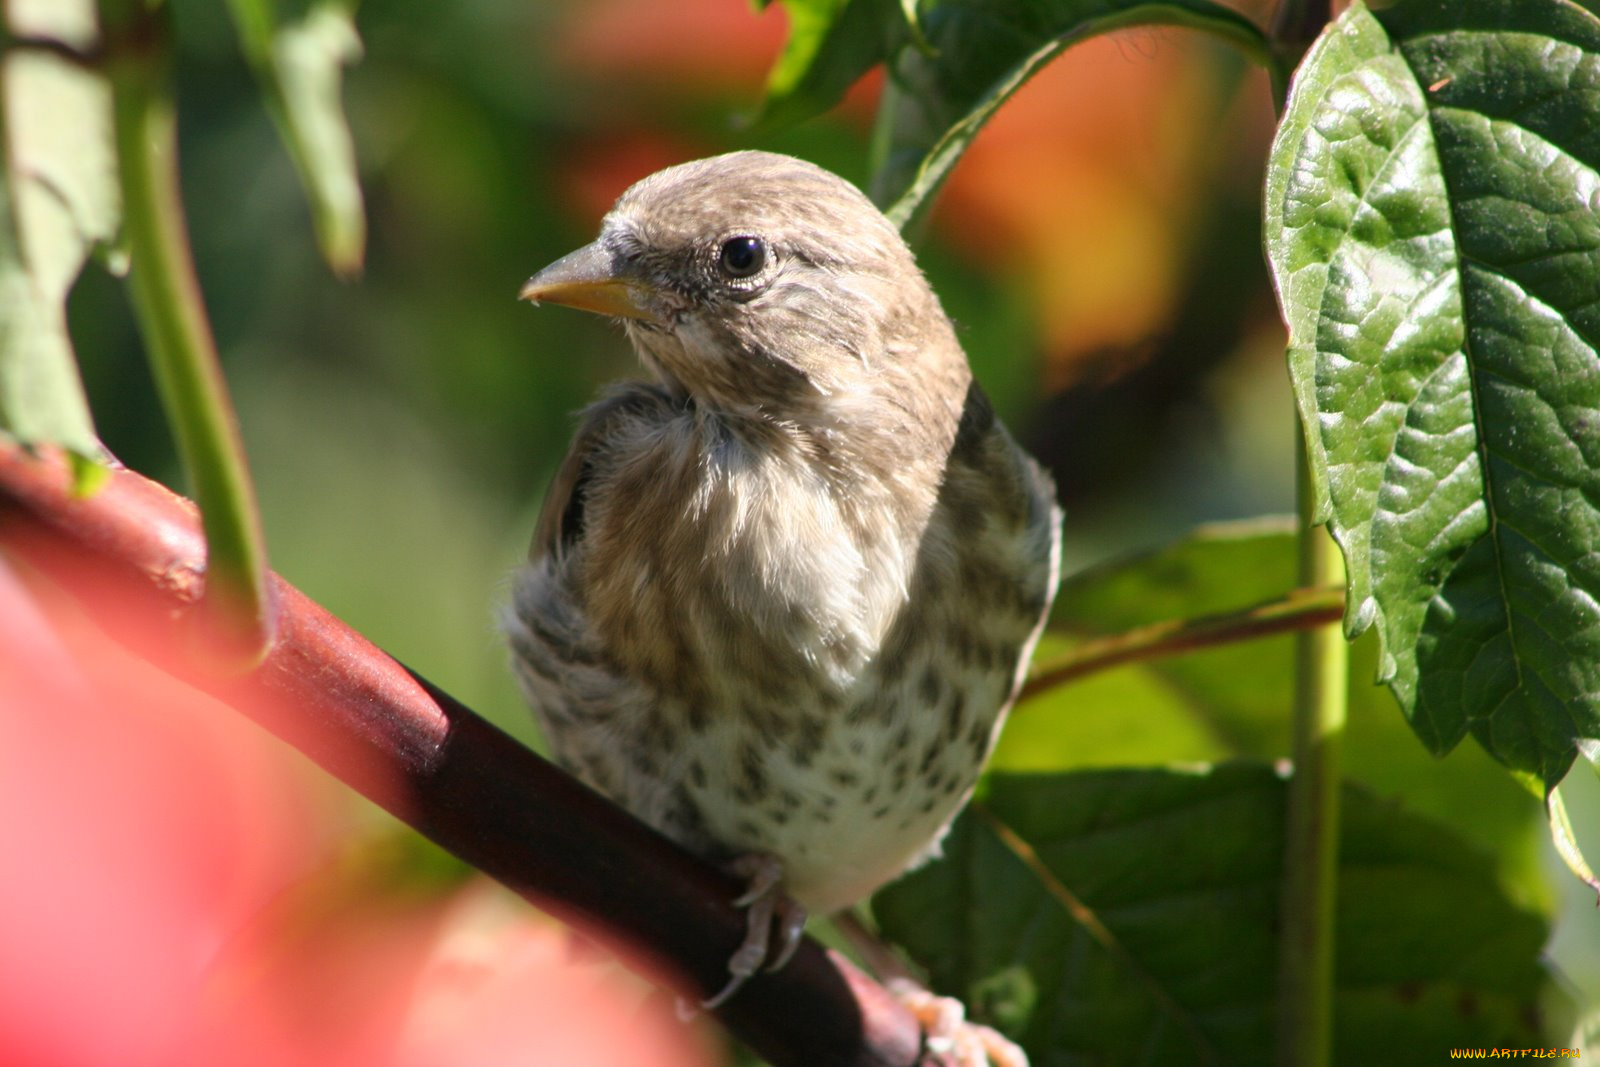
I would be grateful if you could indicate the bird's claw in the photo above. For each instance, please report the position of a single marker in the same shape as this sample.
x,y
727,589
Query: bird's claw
x,y
949,1034
765,902
761,873
791,929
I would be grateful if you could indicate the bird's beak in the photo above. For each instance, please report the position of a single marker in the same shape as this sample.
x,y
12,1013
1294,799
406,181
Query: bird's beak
x,y
585,279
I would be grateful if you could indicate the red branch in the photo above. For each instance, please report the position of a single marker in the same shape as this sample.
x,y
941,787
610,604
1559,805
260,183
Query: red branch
x,y
434,764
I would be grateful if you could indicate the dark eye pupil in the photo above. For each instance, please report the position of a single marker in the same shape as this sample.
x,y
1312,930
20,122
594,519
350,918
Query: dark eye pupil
x,y
743,256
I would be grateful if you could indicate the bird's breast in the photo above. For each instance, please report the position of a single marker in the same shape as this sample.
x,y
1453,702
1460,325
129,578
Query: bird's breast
x,y
741,565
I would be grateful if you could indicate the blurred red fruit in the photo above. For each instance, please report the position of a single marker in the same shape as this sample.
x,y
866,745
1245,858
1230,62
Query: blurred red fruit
x,y
158,907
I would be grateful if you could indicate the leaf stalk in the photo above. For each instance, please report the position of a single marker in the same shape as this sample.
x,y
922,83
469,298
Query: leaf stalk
x,y
1311,844
1295,610
235,615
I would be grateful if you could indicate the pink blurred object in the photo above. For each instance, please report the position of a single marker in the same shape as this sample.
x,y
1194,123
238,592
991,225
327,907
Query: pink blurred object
x,y
152,837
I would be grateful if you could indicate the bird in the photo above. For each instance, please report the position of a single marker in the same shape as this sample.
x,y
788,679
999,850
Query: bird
x,y
782,591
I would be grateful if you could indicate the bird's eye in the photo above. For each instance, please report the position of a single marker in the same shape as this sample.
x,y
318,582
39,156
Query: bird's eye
x,y
742,257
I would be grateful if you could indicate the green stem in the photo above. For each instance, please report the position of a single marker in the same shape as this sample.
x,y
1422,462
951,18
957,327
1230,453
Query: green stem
x,y
1311,825
1311,822
235,612
1295,610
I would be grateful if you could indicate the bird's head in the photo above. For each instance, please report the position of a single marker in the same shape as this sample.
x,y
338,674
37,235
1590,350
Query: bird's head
x,y
760,282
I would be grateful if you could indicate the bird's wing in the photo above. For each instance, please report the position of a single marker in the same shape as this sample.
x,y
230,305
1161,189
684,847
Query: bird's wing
x,y
561,517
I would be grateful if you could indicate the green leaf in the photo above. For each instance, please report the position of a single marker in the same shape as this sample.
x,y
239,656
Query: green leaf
x,y
1243,690
1127,917
1231,701
58,205
1430,219
952,63
1566,841
831,44
979,54
300,62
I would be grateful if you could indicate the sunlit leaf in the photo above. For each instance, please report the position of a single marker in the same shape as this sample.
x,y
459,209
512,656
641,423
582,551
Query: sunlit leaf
x,y
1566,841
831,44
58,205
982,53
1430,218
1128,917
951,68
1233,701
300,61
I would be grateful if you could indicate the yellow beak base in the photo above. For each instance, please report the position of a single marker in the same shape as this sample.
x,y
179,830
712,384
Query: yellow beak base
x,y
584,280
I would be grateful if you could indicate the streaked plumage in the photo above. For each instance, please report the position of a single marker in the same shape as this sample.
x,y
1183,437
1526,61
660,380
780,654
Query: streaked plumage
x,y
780,597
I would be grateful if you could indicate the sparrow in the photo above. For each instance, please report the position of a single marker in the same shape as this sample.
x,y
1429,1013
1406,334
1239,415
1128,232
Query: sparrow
x,y
782,594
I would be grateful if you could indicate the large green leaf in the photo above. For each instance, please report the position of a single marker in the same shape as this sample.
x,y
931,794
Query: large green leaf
x,y
951,68
1128,917
1232,701
1430,218
58,204
300,57
831,44
980,54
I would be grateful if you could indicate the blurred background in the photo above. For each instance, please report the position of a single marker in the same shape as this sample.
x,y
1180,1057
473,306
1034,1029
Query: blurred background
x,y
1099,249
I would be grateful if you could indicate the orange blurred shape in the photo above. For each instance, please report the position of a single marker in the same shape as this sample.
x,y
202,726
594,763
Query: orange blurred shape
x,y
596,171
1081,189
692,44
352,973
499,988
156,908
686,50
643,53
